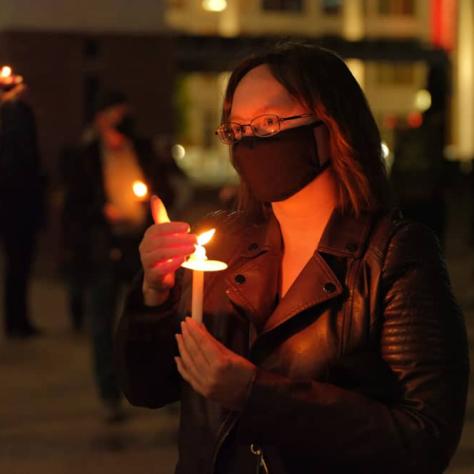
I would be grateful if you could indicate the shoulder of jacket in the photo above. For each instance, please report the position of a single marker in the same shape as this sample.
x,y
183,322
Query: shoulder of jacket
x,y
396,239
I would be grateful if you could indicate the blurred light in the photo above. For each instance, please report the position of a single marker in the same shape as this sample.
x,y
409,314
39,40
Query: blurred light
x,y
390,121
178,152
385,150
140,189
6,71
214,5
449,153
422,100
357,68
414,119
222,80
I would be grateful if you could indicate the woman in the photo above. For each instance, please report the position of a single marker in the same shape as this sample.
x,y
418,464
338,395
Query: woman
x,y
332,343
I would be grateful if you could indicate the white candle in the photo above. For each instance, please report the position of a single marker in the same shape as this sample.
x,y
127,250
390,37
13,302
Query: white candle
x,y
198,293
199,263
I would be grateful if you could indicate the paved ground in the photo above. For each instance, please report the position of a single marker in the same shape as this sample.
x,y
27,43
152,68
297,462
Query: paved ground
x,y
50,420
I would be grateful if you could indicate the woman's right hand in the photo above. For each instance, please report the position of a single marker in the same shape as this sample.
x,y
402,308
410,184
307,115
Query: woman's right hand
x,y
164,247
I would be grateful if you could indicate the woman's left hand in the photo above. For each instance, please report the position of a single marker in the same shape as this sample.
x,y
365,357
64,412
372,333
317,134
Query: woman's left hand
x,y
210,368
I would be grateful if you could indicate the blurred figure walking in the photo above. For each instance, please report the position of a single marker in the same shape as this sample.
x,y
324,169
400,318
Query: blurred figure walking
x,y
107,180
21,201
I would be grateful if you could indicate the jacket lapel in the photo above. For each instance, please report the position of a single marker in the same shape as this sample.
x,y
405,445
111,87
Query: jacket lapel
x,y
252,283
315,285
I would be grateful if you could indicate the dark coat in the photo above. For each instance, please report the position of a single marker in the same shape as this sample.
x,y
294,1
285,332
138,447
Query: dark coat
x,y
87,235
361,368
22,181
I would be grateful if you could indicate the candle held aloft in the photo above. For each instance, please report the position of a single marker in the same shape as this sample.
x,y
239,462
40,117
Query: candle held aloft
x,y
8,80
199,263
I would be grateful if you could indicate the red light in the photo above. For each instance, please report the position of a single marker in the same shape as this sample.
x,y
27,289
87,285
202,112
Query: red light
x,y
414,119
443,23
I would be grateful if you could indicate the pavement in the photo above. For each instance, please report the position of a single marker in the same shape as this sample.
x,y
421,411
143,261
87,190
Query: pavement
x,y
50,418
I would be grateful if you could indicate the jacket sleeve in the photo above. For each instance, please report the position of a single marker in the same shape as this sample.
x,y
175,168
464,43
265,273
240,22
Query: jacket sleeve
x,y
145,346
423,342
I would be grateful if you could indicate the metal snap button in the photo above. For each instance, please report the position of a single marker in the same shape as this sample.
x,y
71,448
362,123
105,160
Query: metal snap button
x,y
329,287
240,279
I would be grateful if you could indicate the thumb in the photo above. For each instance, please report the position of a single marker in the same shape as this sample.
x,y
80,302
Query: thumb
x,y
158,210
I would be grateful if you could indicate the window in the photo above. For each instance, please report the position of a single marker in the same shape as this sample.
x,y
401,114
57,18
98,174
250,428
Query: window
x,y
283,5
395,73
396,7
331,7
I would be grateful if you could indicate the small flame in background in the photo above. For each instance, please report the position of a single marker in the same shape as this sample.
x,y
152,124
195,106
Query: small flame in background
x,y
140,189
5,71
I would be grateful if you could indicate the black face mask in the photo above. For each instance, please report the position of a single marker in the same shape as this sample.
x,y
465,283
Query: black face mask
x,y
279,166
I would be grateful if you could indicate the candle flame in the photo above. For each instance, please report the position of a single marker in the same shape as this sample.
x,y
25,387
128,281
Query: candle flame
x,y
199,253
205,237
140,189
5,71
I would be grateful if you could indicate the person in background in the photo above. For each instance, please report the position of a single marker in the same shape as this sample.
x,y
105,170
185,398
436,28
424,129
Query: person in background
x,y
22,189
102,221
332,343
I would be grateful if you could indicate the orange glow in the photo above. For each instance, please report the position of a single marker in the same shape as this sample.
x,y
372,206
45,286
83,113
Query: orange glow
x,y
6,71
205,237
415,119
140,189
198,260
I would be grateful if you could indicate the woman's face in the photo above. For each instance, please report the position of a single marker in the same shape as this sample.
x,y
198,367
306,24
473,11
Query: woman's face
x,y
258,93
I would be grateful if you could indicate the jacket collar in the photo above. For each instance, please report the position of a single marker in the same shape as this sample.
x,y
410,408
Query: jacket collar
x,y
344,235
253,280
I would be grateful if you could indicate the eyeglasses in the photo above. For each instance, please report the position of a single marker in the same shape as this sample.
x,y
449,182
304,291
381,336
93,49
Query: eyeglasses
x,y
262,126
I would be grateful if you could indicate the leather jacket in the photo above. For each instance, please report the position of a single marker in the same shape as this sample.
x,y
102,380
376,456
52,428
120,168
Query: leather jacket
x,y
362,366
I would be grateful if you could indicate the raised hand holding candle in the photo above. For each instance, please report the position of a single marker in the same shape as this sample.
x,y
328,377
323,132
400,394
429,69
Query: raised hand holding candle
x,y
11,85
199,263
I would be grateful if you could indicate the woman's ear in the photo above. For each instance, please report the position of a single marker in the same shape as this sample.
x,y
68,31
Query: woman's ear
x,y
321,135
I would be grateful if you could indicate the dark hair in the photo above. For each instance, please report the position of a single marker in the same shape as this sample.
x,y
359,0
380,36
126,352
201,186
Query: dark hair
x,y
108,98
319,79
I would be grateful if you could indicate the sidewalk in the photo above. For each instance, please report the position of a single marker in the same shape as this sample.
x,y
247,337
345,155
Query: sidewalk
x,y
50,419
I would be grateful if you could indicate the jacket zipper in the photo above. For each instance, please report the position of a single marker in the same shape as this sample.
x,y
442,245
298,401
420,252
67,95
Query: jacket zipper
x,y
232,418
226,427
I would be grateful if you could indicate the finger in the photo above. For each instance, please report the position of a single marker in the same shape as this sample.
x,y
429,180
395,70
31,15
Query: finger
x,y
150,259
193,371
193,348
175,227
158,210
151,242
163,268
209,345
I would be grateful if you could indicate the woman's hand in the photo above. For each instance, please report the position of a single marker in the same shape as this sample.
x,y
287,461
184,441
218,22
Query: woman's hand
x,y
164,248
210,368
